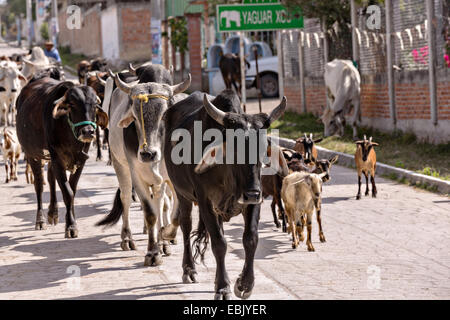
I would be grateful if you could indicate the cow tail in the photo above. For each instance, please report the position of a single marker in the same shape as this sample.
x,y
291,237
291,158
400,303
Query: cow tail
x,y
116,212
201,239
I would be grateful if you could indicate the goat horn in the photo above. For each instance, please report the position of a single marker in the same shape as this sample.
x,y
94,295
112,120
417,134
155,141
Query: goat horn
x,y
183,86
278,111
365,138
132,70
213,111
102,82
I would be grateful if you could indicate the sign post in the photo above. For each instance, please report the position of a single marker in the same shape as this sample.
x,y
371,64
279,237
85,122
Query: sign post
x,y
257,15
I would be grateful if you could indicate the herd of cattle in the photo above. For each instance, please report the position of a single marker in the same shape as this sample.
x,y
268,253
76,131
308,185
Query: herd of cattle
x,y
140,109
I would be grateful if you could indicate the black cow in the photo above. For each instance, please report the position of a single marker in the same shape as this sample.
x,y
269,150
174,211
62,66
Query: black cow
x,y
56,122
230,67
220,190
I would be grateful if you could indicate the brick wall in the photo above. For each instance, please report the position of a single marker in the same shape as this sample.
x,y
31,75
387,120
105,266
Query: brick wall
x,y
194,25
86,40
135,37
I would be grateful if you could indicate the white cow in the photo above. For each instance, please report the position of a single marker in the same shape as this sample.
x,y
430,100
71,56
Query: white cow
x,y
10,86
342,81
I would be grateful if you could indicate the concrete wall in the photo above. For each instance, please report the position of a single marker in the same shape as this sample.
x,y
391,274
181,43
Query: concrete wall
x,y
110,33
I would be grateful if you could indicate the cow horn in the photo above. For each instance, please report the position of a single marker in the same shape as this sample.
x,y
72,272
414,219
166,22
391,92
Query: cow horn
x,y
99,101
181,87
278,111
120,84
213,111
28,62
131,69
102,82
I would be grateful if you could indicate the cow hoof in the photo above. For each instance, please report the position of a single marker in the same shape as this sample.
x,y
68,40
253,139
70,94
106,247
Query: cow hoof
x,y
153,259
374,195
109,163
40,225
127,245
311,248
169,232
99,159
174,242
189,276
52,220
223,294
166,248
278,225
71,232
294,245
322,238
367,193
241,291
358,197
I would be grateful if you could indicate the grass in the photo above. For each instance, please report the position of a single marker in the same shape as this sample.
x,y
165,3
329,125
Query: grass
x,y
397,149
70,59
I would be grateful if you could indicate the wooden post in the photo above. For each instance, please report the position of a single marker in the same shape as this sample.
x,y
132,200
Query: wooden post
x,y
431,30
280,65
390,58
242,57
301,67
355,45
258,81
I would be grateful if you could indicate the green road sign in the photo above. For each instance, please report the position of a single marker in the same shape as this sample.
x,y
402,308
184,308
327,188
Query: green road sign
x,y
255,17
261,1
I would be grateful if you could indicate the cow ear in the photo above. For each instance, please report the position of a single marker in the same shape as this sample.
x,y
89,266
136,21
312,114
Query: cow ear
x,y
2,89
211,158
126,120
102,118
61,108
334,159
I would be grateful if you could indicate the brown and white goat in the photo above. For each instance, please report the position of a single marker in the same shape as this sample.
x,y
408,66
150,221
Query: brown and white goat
x,y
366,162
301,194
306,147
11,152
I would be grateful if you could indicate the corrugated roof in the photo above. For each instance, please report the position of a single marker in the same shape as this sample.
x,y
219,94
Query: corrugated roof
x,y
176,8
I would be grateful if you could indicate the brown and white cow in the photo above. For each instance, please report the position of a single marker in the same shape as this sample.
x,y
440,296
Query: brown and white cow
x,y
11,150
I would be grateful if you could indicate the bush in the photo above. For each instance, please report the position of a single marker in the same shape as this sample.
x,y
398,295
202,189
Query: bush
x,y
44,31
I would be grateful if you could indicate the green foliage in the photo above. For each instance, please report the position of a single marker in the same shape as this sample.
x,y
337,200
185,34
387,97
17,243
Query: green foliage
x,y
44,31
17,6
178,34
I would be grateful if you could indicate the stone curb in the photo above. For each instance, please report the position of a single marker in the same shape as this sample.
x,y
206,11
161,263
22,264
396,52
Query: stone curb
x,y
383,169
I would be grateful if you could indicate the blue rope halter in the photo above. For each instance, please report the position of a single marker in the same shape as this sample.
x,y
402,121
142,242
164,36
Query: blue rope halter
x,y
73,126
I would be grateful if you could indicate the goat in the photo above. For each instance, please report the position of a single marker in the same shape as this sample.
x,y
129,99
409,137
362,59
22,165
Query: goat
x,y
366,162
301,194
306,147
11,152
271,185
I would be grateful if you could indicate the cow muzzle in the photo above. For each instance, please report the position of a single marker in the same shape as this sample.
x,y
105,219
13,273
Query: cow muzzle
x,y
147,155
251,197
87,134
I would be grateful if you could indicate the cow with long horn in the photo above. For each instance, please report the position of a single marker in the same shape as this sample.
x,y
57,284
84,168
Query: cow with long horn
x,y
136,133
212,179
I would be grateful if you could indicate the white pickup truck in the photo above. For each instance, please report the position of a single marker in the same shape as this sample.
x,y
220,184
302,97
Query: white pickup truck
x,y
268,75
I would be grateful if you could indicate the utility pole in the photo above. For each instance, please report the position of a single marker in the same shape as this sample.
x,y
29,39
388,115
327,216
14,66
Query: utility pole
x,y
390,61
54,27
355,45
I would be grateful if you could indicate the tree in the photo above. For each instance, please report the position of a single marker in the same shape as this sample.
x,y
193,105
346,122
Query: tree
x,y
178,38
44,31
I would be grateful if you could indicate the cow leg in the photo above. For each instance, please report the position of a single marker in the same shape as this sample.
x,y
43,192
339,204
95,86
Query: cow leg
x,y
36,167
189,272
16,164
358,196
246,280
99,144
125,185
151,210
218,246
105,142
309,228
367,184
274,213
159,196
52,215
277,187
71,230
374,188
4,115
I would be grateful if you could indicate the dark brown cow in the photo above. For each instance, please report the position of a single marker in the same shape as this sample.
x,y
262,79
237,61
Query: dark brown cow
x,y
230,67
62,134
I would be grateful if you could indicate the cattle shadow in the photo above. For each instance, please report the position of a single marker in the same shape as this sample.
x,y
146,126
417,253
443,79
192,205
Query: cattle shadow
x,y
331,200
269,246
52,268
